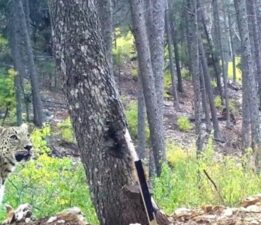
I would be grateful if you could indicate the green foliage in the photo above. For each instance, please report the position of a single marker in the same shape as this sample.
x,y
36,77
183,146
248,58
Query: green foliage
x,y
184,124
185,74
134,72
48,184
218,102
131,113
38,137
238,71
167,83
124,46
7,91
66,130
183,184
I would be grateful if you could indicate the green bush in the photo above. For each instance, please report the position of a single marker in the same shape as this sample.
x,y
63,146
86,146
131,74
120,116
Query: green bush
x,y
66,130
131,114
167,83
218,102
48,184
124,46
184,124
183,183
7,91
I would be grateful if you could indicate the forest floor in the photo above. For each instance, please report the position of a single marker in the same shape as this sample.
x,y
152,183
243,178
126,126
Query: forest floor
x,y
56,107
248,213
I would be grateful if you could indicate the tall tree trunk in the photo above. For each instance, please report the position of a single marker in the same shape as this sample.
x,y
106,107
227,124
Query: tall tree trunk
x,y
193,50
95,109
146,71
37,103
203,59
141,123
204,100
233,55
256,42
214,58
220,52
171,57
249,86
15,51
105,15
171,21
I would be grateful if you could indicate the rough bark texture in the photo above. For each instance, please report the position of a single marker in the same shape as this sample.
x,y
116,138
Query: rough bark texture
x,y
214,58
141,123
15,51
172,25
37,103
95,110
219,48
156,41
105,15
203,59
249,85
171,58
193,51
146,72
256,42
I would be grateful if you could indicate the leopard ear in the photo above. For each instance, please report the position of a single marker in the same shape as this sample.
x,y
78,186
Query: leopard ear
x,y
24,126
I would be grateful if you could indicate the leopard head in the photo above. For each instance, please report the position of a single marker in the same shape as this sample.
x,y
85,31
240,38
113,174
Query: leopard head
x,y
16,143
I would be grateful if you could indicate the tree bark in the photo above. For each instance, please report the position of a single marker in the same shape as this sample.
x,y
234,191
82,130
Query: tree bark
x,y
217,134
105,15
37,103
193,51
141,123
172,25
146,72
96,111
171,58
220,52
256,42
249,84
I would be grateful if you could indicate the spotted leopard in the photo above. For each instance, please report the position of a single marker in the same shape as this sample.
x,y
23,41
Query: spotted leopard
x,y
15,146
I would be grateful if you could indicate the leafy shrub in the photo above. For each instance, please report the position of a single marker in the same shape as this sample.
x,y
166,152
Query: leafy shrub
x,y
66,130
48,184
38,137
218,102
238,71
131,113
167,83
7,91
185,74
184,184
184,123
124,46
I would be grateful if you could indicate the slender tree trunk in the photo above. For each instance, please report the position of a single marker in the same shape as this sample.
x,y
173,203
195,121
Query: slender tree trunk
x,y
171,60
256,47
105,15
15,51
214,58
95,109
193,50
171,21
220,52
141,122
204,100
249,85
146,71
233,55
37,103
156,42
203,59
